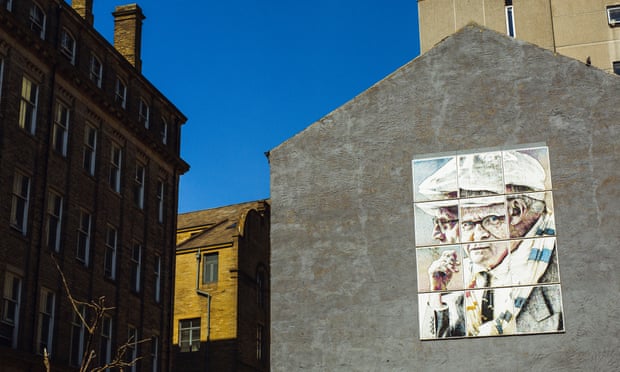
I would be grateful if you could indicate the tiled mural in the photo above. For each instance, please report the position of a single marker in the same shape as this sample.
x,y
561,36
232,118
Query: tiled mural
x,y
486,250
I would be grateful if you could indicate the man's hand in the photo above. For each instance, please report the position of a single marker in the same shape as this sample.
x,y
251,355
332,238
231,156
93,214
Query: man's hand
x,y
440,271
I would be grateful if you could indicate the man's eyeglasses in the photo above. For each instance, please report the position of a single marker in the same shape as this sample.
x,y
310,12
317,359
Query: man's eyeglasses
x,y
489,222
444,224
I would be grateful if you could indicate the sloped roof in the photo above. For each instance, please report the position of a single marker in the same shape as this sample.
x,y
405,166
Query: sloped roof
x,y
214,226
440,72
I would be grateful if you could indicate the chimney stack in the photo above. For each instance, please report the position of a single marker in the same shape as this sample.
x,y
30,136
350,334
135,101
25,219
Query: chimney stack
x,y
85,9
128,33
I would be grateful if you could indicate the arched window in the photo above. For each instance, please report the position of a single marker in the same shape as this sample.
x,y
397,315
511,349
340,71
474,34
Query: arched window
x,y
67,45
260,289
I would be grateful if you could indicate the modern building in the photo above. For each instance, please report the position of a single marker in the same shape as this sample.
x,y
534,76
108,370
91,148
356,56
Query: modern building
x,y
89,172
221,296
587,30
349,276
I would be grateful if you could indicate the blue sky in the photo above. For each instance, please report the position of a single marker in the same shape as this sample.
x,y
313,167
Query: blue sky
x,y
250,74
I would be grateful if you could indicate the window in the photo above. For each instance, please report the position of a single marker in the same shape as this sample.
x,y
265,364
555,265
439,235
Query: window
x,y
1,76
20,202
105,344
131,354
157,272
143,114
61,129
154,354
78,336
54,221
138,190
260,289
613,15
37,20
261,344
46,321
115,168
96,70
209,268
510,20
616,66
136,266
109,266
160,201
189,335
67,45
11,302
164,131
9,5
83,244
120,93
28,106
90,149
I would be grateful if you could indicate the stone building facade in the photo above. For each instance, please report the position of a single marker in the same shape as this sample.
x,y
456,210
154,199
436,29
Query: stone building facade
x,y
344,281
221,299
89,170
587,30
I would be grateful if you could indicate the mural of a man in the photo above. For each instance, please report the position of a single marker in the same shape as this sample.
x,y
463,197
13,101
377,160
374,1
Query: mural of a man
x,y
506,227
445,221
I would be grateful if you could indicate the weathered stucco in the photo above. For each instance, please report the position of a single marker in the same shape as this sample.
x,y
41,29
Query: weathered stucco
x,y
343,264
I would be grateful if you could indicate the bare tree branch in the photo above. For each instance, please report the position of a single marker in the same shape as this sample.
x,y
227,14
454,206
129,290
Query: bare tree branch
x,y
98,309
46,360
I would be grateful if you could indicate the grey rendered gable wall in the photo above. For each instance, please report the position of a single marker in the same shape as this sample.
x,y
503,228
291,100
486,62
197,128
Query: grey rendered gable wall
x,y
343,261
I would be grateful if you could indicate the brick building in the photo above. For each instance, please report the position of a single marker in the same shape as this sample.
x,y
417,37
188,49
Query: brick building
x,y
89,170
221,299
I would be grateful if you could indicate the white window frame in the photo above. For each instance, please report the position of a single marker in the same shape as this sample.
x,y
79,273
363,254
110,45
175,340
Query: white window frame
x,y
60,132
37,19
116,158
510,21
54,220
84,234
136,267
139,182
78,336
120,92
613,21
20,202
105,344
189,333
210,268
28,105
11,305
67,45
45,332
132,348
144,113
164,131
90,149
111,245
155,354
157,272
96,70
161,188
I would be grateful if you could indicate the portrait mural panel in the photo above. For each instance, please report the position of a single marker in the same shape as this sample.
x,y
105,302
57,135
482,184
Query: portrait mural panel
x,y
485,240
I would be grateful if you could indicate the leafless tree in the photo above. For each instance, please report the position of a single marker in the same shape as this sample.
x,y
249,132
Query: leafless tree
x,y
98,310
